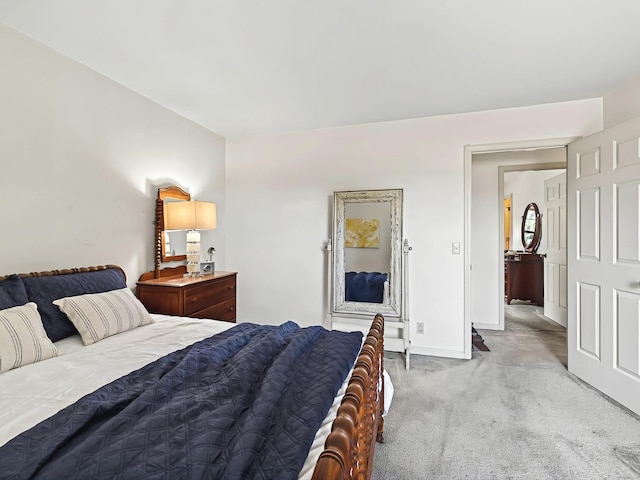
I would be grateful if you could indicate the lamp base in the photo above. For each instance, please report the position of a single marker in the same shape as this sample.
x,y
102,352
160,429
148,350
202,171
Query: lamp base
x,y
193,253
193,269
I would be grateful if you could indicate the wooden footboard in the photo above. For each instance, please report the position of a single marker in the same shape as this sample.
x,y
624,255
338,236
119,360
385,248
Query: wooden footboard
x,y
349,449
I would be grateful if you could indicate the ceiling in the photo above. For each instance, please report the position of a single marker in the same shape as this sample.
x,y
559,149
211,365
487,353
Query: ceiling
x,y
241,67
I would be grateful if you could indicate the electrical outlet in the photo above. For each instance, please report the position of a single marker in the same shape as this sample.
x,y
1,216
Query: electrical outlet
x,y
420,327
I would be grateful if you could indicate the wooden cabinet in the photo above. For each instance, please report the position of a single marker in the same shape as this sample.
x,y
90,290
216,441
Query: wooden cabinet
x,y
207,296
524,277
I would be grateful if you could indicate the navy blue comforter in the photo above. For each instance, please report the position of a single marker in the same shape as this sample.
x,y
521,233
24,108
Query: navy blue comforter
x,y
364,286
242,404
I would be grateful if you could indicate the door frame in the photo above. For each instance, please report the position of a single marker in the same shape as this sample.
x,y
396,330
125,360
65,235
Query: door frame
x,y
469,151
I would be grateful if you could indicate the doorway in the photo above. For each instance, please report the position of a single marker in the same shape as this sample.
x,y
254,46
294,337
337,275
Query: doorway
x,y
484,258
543,282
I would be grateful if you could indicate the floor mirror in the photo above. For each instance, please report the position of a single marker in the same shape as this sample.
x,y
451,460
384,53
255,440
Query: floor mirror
x,y
368,258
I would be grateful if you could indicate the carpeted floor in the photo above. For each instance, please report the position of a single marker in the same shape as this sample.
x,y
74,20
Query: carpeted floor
x,y
511,413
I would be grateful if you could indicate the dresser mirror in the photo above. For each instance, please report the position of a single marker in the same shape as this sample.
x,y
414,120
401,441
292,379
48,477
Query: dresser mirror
x,y
169,246
367,252
531,228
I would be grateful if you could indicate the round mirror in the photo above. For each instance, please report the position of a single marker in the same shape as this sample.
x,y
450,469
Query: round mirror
x,y
531,228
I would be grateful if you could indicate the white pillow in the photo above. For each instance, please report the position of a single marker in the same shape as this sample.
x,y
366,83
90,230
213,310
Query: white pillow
x,y
100,315
22,338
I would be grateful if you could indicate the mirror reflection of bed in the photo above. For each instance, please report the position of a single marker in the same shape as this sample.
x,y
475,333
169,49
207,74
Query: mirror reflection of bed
x,y
371,287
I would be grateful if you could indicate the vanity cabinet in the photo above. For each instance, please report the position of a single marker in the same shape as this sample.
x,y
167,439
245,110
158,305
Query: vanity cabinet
x,y
524,277
206,296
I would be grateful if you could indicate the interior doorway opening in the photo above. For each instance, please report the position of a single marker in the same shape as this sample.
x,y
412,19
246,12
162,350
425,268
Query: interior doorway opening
x,y
485,166
536,277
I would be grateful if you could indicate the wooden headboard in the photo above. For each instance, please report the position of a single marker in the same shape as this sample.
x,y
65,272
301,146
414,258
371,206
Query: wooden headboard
x,y
67,271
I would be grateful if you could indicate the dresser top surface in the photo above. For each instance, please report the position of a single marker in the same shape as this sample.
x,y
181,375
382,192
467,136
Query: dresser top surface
x,y
523,257
181,281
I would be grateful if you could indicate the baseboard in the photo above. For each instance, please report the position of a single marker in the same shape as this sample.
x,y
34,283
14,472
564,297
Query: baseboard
x,y
554,321
436,352
486,326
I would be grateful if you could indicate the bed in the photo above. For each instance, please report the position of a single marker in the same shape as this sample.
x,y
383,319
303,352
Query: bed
x,y
65,412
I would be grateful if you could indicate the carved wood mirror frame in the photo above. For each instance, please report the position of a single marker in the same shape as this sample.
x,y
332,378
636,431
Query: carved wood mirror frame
x,y
165,193
531,237
339,305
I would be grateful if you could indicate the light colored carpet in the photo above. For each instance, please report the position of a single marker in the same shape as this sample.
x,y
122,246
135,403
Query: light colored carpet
x,y
512,413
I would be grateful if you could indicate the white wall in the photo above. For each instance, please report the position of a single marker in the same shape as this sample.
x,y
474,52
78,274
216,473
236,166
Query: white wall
x,y
279,192
528,187
622,103
80,157
487,245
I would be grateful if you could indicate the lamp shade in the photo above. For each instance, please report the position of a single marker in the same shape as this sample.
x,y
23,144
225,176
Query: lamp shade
x,y
192,215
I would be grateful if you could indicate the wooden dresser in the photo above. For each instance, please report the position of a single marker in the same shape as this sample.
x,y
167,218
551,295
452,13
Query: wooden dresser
x,y
524,277
207,296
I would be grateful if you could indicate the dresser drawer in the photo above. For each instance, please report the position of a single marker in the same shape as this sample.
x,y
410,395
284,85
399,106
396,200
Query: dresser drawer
x,y
205,295
223,311
160,300
210,296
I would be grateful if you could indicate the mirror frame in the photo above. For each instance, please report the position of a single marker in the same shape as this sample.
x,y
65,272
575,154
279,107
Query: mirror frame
x,y
164,193
532,246
339,304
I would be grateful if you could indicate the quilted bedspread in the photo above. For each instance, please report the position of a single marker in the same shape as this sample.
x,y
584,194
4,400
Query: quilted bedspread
x,y
364,286
245,403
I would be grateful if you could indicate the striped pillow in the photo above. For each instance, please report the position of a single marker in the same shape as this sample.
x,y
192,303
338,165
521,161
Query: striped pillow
x,y
22,338
100,315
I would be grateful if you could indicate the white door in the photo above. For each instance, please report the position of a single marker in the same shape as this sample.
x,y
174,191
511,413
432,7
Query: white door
x,y
603,207
554,219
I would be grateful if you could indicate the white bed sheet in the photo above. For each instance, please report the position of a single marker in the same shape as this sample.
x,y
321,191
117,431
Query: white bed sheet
x,y
35,392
